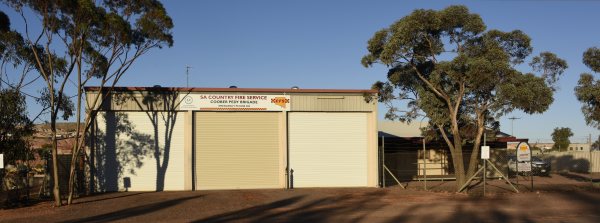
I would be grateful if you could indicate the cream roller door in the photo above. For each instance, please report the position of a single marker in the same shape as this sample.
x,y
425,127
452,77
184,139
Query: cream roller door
x,y
139,151
328,149
236,150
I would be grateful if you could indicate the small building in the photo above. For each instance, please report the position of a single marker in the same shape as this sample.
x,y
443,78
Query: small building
x,y
545,146
408,157
157,138
580,147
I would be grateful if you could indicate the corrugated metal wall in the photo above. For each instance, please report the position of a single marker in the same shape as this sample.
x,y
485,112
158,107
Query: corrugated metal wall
x,y
135,101
237,150
330,102
328,149
574,161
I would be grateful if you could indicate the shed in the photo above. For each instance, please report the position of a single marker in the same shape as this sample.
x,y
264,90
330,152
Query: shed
x,y
159,138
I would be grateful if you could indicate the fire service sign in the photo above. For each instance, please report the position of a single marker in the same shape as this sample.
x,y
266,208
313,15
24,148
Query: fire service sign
x,y
234,102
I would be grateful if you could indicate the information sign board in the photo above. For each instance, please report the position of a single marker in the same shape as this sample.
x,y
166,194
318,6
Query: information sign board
x,y
485,152
235,102
523,152
524,167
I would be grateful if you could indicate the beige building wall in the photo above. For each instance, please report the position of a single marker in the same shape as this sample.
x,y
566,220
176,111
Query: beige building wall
x,y
331,101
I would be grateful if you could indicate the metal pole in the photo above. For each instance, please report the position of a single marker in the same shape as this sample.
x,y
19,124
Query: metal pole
x,y
187,76
484,175
470,179
512,124
590,157
394,177
484,162
531,167
424,164
517,164
502,175
383,160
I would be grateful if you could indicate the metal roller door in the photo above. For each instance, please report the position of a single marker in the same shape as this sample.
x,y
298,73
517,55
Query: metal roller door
x,y
128,145
328,149
236,150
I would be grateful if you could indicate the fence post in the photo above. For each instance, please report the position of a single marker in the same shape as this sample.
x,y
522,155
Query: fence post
x,y
591,162
383,160
424,164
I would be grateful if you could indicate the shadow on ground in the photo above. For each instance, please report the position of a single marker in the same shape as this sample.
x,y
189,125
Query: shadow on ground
x,y
294,209
133,212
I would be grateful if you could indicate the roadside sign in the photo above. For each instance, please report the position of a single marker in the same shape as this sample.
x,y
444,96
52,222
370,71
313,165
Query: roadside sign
x,y
523,152
524,167
485,152
1,161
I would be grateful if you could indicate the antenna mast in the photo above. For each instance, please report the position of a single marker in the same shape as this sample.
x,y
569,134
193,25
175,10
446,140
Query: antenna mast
x,y
187,75
512,125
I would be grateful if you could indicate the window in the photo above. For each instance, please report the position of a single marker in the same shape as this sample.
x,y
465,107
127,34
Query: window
x,y
570,148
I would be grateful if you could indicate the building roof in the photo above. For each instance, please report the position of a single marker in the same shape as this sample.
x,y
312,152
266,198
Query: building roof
x,y
400,129
257,90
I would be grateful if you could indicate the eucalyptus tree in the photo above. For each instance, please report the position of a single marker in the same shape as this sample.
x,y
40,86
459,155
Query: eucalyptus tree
x,y
561,136
588,88
88,41
15,126
447,66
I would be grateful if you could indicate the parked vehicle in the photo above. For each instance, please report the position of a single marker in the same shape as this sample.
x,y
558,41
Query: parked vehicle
x,y
539,167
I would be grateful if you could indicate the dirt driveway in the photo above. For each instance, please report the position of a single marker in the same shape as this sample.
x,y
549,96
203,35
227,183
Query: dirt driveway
x,y
321,205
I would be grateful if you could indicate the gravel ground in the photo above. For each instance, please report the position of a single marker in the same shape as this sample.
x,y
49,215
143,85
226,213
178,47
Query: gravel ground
x,y
575,202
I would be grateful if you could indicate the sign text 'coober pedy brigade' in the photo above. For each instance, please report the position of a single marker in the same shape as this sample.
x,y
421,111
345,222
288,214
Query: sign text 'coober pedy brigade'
x,y
235,102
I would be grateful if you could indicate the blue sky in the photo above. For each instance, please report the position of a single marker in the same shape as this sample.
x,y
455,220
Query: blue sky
x,y
319,44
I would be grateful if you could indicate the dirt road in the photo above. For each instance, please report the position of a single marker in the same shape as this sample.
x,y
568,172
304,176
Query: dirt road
x,y
320,205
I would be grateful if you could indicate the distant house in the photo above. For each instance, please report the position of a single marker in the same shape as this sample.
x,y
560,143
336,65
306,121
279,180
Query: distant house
x,y
579,147
410,159
65,145
544,146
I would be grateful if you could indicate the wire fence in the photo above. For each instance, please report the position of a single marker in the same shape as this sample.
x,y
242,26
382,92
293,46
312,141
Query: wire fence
x,y
409,162
21,185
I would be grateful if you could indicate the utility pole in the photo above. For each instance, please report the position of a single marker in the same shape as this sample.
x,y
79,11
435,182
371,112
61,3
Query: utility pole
x,y
512,125
187,75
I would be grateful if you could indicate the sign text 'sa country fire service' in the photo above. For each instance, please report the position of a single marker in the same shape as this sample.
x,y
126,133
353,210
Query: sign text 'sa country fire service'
x,y
234,102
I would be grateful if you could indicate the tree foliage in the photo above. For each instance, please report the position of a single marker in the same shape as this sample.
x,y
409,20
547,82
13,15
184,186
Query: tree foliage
x,y
560,136
15,126
596,144
588,88
462,77
87,40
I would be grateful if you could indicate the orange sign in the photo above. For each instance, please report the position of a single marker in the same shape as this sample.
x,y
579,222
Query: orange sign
x,y
524,152
523,147
281,101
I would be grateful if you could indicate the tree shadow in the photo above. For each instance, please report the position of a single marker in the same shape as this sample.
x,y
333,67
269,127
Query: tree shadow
x,y
133,212
91,199
120,149
570,164
344,208
461,212
160,108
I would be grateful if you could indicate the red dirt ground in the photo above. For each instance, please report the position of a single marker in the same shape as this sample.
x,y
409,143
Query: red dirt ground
x,y
577,201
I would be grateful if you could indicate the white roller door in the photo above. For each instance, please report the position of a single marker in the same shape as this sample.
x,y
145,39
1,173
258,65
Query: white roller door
x,y
237,150
128,145
328,149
